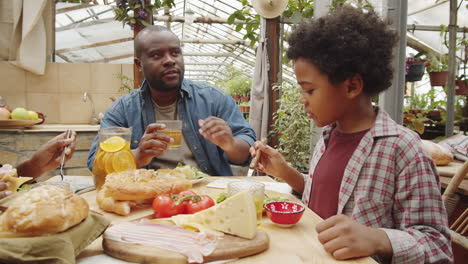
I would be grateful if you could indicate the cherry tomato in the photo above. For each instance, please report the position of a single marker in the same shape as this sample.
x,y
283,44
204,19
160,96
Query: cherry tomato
x,y
185,197
198,203
167,206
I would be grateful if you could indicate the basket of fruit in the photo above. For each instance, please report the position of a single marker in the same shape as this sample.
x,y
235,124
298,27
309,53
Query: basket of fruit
x,y
19,117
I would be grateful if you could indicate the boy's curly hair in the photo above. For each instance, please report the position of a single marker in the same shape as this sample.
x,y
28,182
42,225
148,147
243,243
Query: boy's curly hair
x,y
347,42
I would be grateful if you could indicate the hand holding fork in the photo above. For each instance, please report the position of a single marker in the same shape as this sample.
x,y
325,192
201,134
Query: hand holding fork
x,y
66,151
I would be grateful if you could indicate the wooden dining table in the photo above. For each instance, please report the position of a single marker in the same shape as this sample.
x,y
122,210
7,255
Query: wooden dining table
x,y
297,244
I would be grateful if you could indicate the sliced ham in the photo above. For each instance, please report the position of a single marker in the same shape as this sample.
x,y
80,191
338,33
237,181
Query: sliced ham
x,y
194,245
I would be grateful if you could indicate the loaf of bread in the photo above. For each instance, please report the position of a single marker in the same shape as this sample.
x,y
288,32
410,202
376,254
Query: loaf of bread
x,y
440,155
43,210
123,190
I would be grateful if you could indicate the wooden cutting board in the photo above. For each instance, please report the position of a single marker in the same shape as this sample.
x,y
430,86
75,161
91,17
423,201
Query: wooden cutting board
x,y
229,247
450,169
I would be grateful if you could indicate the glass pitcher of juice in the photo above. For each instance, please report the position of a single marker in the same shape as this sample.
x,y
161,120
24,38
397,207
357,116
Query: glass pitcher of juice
x,y
113,154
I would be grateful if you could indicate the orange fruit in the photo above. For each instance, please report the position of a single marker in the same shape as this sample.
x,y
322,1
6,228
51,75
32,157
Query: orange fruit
x,y
113,144
107,162
98,159
123,160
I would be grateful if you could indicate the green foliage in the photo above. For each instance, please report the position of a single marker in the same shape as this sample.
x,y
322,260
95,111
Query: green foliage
x,y
76,1
295,11
234,82
292,126
132,12
251,22
427,101
126,83
436,64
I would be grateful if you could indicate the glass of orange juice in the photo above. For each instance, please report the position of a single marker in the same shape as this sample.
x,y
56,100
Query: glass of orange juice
x,y
114,154
174,130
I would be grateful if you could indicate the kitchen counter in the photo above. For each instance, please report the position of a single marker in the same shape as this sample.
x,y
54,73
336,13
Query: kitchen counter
x,y
54,128
18,144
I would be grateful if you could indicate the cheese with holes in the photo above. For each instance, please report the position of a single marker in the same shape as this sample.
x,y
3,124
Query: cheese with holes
x,y
235,216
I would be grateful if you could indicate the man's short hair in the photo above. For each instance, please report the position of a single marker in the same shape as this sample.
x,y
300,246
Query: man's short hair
x,y
139,37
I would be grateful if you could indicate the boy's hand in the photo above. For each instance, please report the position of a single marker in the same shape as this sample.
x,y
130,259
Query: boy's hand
x,y
345,238
271,161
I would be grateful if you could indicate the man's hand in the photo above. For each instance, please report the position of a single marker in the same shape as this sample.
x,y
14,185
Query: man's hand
x,y
345,238
48,156
218,132
152,144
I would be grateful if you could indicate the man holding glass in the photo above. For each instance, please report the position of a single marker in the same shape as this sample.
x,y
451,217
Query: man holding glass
x,y
215,133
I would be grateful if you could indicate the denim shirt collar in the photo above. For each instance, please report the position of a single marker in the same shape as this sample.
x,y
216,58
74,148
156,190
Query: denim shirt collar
x,y
147,104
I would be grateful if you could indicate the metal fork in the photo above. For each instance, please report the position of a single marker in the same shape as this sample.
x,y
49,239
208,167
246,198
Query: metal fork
x,y
254,163
62,163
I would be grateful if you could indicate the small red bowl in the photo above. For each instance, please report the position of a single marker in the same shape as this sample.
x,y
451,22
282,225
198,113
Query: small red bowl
x,y
284,214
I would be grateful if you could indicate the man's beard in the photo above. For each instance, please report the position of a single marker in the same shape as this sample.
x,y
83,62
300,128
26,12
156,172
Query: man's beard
x,y
161,86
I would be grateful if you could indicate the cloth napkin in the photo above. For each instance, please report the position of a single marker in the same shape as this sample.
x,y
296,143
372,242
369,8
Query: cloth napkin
x,y
60,248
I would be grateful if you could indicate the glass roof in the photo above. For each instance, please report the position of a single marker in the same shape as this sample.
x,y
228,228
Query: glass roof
x,y
89,33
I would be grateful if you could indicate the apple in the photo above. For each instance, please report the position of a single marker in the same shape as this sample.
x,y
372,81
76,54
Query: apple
x,y
20,114
4,114
33,115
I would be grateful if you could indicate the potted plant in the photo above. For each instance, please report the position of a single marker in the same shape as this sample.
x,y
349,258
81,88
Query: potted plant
x,y
462,80
424,110
134,13
438,70
415,67
462,85
234,82
244,107
293,128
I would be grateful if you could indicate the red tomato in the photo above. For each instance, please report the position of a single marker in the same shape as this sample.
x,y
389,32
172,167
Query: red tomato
x,y
198,203
185,197
183,193
167,206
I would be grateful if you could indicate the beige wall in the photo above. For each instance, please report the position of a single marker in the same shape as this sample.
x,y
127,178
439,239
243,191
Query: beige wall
x,y
58,93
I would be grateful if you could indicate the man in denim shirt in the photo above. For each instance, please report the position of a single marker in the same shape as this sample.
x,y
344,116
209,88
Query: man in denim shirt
x,y
215,132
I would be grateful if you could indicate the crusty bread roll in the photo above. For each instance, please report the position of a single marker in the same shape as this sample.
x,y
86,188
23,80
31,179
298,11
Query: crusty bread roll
x,y
142,184
109,204
440,155
123,190
43,210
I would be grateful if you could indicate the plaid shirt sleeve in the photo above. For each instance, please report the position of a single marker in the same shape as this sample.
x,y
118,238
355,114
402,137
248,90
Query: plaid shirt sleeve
x,y
420,233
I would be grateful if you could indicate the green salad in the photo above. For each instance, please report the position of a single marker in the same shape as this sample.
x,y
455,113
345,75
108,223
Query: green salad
x,y
198,174
223,196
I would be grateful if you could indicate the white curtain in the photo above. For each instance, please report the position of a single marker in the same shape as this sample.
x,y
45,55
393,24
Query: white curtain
x,y
26,27
259,105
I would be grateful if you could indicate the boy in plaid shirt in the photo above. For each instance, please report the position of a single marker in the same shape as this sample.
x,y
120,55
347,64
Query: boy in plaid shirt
x,y
369,178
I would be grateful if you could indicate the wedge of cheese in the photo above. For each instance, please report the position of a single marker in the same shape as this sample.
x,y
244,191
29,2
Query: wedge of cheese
x,y
9,174
235,216
15,182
